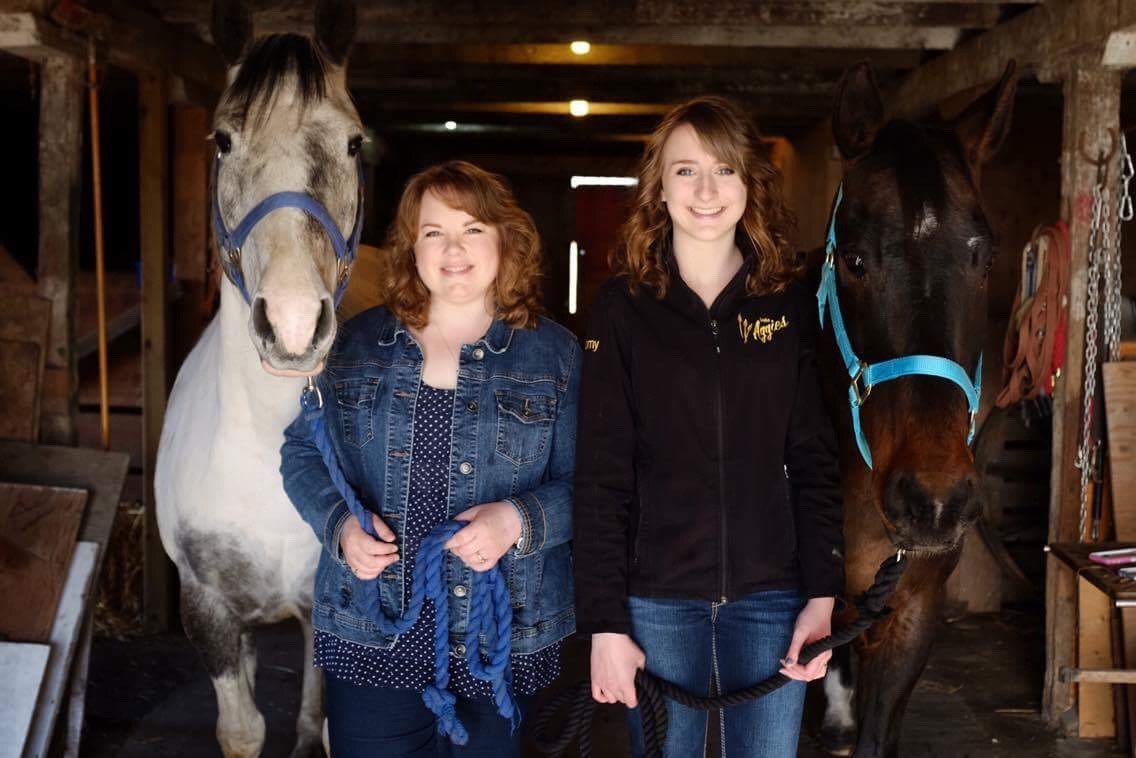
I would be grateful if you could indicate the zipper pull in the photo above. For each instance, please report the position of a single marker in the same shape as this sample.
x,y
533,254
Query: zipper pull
x,y
714,331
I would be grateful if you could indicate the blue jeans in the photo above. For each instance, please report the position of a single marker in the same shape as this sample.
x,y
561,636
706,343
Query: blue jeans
x,y
735,645
383,722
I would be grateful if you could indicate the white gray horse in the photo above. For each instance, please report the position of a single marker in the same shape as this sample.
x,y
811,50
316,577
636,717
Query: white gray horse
x,y
285,123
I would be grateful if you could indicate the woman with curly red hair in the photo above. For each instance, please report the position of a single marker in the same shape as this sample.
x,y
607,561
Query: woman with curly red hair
x,y
707,509
456,400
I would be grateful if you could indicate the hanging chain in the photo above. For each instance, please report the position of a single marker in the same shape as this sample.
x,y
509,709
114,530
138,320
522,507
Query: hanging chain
x,y
1086,454
1104,245
1112,272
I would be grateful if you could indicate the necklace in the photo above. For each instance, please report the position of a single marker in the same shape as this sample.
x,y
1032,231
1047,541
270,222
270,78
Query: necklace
x,y
445,342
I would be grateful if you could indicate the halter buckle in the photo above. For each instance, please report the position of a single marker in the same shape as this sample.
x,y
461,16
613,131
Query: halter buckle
x,y
860,395
235,256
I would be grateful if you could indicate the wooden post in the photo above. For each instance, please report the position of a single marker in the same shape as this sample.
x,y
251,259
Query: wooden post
x,y
190,225
153,187
1092,106
60,179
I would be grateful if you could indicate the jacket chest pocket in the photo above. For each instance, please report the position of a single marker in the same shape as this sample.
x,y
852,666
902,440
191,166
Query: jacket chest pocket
x,y
524,424
356,400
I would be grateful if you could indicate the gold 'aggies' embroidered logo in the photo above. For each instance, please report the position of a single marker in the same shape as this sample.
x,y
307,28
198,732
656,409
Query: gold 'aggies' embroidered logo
x,y
592,345
761,330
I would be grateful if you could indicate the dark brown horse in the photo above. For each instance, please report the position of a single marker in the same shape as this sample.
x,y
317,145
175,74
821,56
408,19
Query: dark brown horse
x,y
913,250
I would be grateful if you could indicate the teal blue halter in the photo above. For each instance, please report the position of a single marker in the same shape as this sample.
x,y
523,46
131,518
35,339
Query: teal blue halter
x,y
865,376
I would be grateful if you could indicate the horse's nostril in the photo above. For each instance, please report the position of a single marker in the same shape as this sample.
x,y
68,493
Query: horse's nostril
x,y
260,323
324,324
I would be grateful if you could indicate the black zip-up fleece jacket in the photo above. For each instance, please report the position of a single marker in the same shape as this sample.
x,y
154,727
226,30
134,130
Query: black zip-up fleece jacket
x,y
706,465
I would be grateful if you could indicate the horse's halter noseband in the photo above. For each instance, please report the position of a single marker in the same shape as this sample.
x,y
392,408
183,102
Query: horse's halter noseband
x,y
864,375
231,242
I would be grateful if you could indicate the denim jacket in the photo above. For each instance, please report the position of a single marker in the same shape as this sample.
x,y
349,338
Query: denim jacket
x,y
514,436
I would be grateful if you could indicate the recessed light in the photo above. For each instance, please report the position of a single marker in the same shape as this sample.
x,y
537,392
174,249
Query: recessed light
x,y
578,108
451,125
581,47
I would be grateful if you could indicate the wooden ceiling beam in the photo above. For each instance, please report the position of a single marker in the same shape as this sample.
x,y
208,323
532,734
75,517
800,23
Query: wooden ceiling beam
x,y
789,60
1042,40
832,37
661,84
297,14
139,42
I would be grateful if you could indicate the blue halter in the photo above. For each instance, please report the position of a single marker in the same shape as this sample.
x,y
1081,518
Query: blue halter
x,y
231,242
864,375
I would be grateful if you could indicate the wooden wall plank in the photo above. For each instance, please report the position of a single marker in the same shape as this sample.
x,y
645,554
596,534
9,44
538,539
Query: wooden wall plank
x,y
25,325
64,640
191,249
60,177
37,535
21,366
153,214
1120,402
1094,703
1092,105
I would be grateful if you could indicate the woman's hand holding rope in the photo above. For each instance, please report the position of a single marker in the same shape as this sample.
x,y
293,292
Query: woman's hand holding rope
x,y
615,659
813,622
366,556
493,528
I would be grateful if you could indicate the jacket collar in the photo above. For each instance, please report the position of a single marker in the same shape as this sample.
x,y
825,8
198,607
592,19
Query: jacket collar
x,y
683,296
497,339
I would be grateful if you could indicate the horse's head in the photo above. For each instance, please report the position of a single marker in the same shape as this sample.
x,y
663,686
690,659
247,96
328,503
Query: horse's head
x,y
913,251
286,124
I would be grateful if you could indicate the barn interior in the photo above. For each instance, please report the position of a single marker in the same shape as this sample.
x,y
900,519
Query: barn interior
x,y
559,99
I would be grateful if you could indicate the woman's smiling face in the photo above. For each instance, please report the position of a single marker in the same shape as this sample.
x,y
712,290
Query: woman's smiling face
x,y
456,255
705,197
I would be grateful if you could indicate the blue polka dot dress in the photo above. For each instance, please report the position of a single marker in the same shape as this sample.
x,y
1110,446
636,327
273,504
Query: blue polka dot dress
x,y
410,663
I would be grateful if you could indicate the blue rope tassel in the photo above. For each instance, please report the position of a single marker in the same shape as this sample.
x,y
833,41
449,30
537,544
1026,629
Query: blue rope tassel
x,y
490,614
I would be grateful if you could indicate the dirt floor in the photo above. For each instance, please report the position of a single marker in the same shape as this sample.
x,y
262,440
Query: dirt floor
x,y
980,696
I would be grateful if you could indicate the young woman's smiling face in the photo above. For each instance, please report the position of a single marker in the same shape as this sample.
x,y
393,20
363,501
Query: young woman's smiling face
x,y
457,256
705,197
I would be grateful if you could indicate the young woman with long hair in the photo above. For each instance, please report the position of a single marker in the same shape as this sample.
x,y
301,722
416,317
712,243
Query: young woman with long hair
x,y
707,509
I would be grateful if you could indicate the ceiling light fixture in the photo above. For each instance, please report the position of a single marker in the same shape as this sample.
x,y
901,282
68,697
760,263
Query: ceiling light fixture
x,y
578,108
451,125
581,47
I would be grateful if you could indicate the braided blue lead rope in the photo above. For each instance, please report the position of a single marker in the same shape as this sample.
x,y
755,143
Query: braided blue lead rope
x,y
490,613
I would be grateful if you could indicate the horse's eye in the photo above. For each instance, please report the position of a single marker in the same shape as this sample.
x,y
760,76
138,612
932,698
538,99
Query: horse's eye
x,y
990,259
854,262
354,145
223,140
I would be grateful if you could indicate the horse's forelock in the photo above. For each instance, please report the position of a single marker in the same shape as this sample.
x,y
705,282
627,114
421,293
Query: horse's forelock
x,y
269,63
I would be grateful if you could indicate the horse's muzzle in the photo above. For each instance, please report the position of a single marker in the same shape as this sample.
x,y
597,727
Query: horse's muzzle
x,y
930,511
297,356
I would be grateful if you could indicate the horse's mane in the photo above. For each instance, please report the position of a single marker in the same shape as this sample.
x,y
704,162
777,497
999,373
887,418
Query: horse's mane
x,y
268,62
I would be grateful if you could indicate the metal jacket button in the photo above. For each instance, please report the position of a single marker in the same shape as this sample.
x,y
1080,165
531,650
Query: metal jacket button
x,y
473,406
478,353
460,590
459,650
466,467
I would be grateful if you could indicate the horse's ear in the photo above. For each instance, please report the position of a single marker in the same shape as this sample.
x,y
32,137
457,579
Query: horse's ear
x,y
859,111
983,126
232,28
335,28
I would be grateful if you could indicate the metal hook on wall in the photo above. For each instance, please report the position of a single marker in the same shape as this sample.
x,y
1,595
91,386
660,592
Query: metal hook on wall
x,y
1103,159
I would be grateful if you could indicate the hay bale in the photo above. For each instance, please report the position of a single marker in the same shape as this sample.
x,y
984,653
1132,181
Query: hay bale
x,y
118,602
